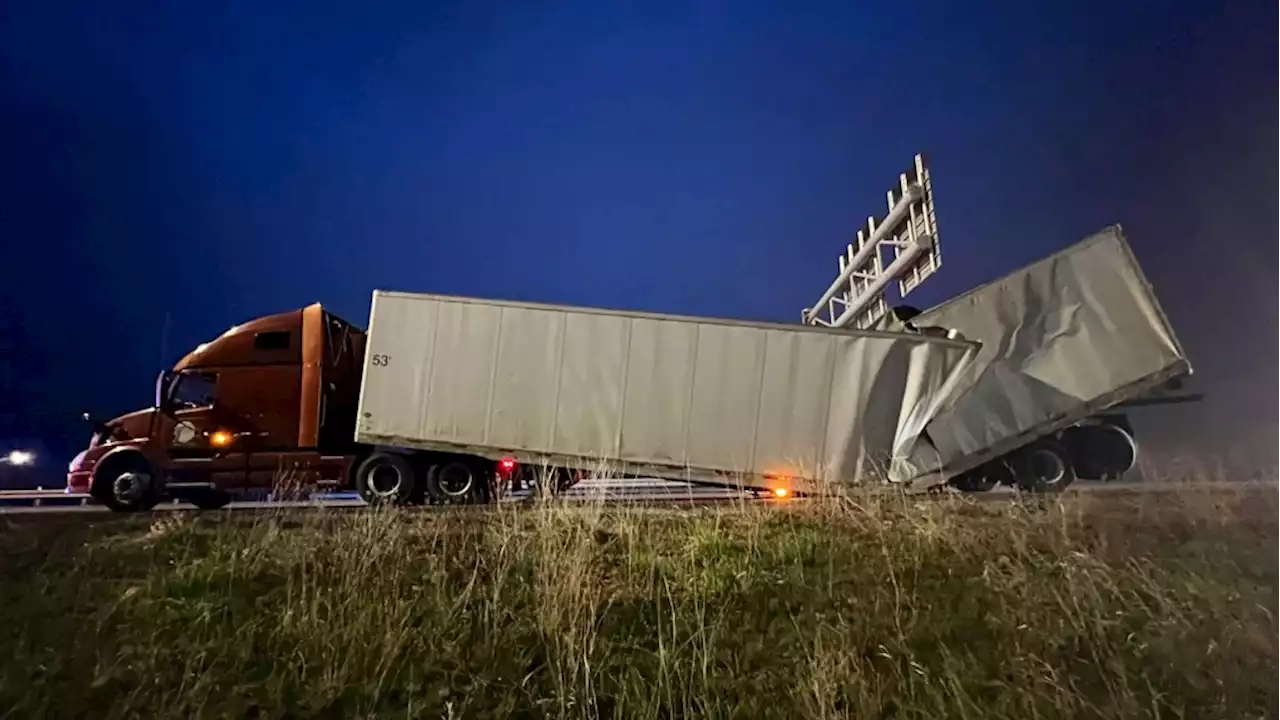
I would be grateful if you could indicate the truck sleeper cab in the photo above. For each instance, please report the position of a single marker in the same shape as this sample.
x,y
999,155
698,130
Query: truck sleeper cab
x,y
267,407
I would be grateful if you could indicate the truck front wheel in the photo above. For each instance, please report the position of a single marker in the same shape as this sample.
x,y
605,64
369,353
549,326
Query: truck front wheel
x,y
125,483
385,479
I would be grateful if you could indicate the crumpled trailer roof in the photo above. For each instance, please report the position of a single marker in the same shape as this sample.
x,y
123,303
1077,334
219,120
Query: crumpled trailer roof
x,y
1062,339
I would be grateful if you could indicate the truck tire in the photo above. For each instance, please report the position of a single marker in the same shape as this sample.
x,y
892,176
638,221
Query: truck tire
x,y
125,482
385,479
1101,450
458,482
1043,467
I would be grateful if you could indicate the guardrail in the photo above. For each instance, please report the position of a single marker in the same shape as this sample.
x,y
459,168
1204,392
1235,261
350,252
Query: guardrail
x,y
61,498
39,498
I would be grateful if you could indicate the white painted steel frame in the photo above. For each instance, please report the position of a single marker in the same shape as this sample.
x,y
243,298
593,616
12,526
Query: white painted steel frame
x,y
903,247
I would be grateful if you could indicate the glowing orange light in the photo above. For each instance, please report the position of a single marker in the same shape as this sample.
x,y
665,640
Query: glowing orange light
x,y
221,438
780,492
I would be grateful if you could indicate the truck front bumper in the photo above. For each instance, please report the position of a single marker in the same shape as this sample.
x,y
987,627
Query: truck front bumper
x,y
79,478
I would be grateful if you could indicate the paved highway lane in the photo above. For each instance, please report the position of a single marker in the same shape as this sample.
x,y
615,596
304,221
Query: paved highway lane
x,y
643,491
635,490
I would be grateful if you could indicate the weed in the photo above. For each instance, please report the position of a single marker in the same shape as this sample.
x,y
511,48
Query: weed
x,y
1144,605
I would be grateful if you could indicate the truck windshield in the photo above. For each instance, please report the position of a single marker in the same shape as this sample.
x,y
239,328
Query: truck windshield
x,y
192,390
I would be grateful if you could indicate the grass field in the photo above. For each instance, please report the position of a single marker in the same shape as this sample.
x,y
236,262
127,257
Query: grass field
x,y
1159,605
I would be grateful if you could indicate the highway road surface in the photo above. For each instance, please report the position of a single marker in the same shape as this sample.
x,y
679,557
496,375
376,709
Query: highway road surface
x,y
631,490
597,490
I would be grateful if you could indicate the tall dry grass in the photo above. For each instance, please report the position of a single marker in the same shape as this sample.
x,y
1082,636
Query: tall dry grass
x,y
860,606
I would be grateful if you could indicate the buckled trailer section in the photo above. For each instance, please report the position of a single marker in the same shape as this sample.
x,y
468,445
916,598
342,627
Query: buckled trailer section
x,y
1063,340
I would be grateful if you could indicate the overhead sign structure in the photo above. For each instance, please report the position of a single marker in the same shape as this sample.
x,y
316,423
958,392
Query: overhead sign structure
x,y
902,247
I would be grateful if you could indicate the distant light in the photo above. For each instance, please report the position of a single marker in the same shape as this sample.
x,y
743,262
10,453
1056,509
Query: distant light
x,y
780,492
20,457
221,438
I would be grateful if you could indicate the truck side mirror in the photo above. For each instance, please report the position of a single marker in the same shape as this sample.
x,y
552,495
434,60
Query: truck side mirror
x,y
97,425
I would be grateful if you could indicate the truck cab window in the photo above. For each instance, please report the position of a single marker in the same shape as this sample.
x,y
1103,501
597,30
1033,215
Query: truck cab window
x,y
193,390
271,340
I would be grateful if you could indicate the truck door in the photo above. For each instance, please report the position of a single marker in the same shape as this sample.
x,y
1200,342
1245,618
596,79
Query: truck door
x,y
268,398
198,435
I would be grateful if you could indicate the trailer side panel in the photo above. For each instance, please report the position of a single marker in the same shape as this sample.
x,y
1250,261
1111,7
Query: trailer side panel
x,y
672,396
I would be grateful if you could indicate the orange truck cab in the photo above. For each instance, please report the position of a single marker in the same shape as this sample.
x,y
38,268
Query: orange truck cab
x,y
268,405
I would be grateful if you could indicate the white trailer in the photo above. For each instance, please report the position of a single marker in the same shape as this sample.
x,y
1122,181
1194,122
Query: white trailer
x,y
1063,340
761,405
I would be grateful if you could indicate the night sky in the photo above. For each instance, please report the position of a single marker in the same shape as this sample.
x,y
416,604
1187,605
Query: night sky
x,y
211,162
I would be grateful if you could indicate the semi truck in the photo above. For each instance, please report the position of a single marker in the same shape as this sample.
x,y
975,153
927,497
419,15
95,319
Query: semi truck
x,y
451,399
1068,344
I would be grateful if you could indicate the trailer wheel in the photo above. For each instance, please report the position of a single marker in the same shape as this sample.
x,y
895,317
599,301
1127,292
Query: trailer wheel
x,y
458,482
385,479
1101,450
1044,467
125,483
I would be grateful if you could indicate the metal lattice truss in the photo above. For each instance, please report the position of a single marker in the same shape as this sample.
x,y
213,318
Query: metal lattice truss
x,y
902,247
